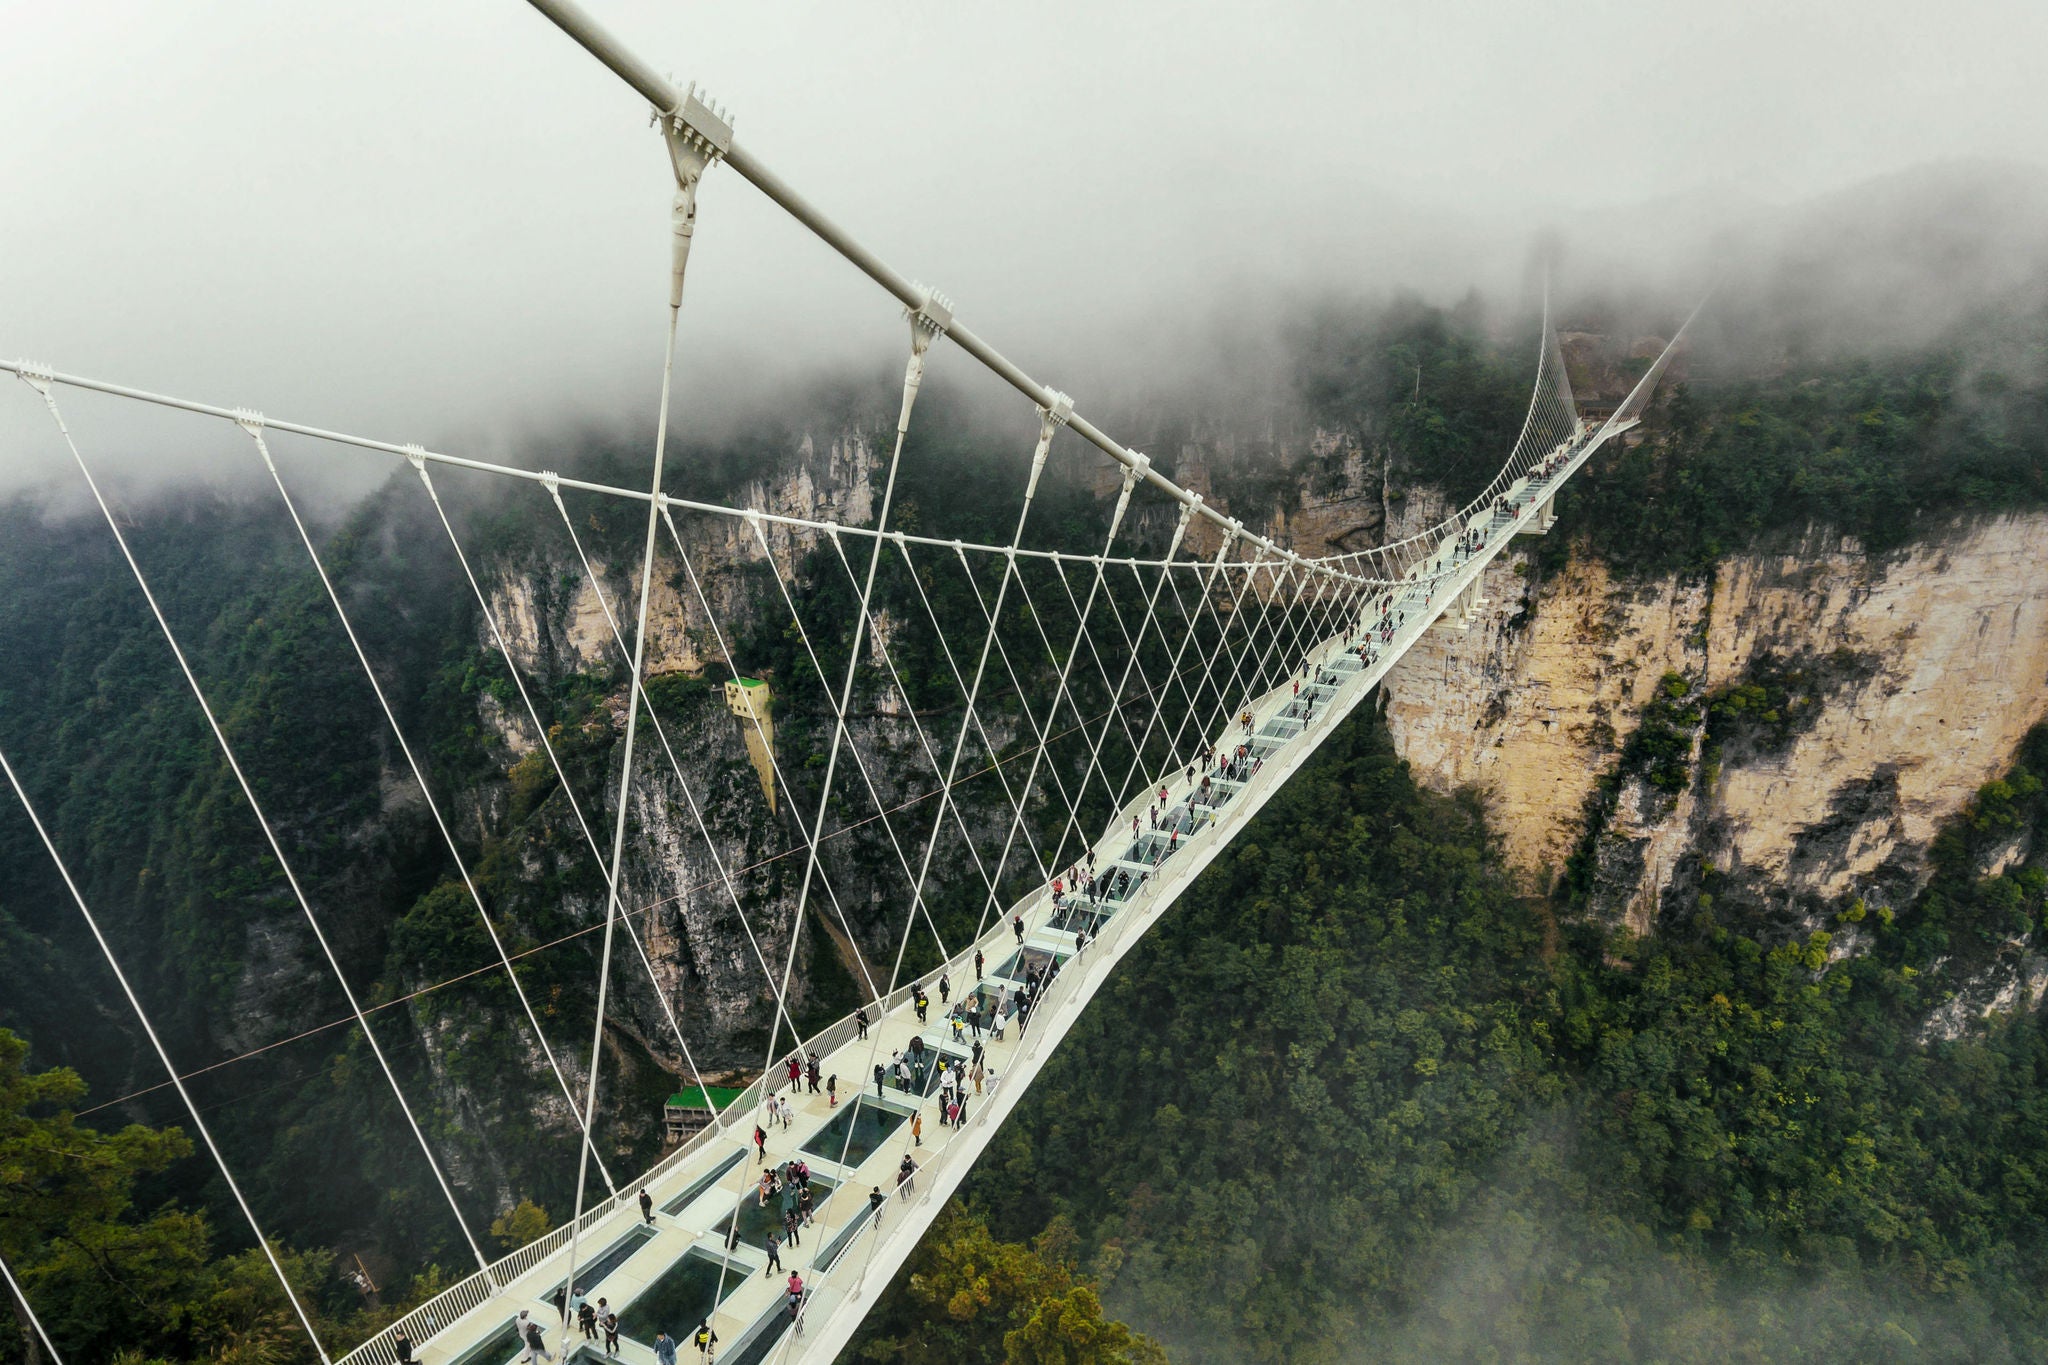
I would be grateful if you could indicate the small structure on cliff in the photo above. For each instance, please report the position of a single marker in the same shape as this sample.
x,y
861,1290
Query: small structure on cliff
x,y
689,1110
750,700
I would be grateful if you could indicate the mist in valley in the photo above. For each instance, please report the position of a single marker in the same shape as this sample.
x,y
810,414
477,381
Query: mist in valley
x,y
1230,236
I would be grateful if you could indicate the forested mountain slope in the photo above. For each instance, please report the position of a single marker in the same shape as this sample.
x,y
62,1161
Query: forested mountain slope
x,y
1431,1039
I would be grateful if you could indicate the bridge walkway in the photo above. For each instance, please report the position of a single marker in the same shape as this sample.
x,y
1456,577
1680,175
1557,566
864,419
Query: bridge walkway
x,y
685,1265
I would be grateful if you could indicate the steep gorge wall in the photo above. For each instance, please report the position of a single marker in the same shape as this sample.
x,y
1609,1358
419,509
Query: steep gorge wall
x,y
1535,702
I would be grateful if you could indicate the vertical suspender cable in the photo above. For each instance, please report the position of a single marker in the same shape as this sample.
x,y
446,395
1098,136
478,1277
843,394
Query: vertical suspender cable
x,y
691,160
923,328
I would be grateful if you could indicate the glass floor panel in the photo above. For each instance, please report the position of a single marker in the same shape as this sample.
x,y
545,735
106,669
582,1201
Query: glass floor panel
x,y
1155,846
757,1220
1027,960
973,1013
869,1123
681,1298
703,1183
497,1350
590,1275
1075,917
757,1347
1127,883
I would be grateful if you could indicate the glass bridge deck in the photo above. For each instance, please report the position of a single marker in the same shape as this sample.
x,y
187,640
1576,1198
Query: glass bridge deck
x,y
682,1267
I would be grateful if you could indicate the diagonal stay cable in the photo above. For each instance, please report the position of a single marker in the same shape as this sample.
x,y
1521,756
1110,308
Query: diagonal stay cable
x,y
860,764
781,777
149,1029
253,424
270,835
689,799
1066,665
992,768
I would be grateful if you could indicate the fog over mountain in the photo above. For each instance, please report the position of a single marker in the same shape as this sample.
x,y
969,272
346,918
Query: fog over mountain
x,y
446,223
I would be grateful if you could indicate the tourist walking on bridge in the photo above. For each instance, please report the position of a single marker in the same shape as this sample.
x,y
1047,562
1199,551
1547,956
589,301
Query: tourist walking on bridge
x,y
536,1348
664,1349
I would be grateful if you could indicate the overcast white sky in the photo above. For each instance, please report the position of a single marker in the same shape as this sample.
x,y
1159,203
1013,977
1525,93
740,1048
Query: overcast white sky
x,y
439,220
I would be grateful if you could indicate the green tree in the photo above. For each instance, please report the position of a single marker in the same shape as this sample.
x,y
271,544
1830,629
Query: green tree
x,y
520,1224
112,1283
969,1296
96,1270
1070,1329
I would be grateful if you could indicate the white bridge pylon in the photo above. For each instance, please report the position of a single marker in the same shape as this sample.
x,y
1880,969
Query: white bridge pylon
x,y
1269,650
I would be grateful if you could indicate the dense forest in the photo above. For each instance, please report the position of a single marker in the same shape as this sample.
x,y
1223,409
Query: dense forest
x,y
1360,1095
1438,1120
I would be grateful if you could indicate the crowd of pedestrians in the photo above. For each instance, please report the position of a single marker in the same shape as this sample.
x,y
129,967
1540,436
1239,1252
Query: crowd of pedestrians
x,y
955,1082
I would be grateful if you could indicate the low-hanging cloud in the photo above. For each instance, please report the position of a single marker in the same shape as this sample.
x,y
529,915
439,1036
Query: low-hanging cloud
x,y
445,223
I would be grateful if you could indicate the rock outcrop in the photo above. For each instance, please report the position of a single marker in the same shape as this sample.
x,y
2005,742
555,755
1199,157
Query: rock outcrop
x,y
1946,644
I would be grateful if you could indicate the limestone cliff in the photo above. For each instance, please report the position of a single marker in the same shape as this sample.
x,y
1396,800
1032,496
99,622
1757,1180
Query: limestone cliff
x,y
1930,664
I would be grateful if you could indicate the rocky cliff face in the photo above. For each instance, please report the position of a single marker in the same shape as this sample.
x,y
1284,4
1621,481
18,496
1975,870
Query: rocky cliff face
x,y
1919,672
702,842
1914,676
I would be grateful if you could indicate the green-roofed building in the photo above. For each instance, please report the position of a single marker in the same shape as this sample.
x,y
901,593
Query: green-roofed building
x,y
690,1109
751,700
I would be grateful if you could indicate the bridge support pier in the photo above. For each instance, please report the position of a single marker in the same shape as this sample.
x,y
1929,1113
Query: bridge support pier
x,y
1545,518
1463,609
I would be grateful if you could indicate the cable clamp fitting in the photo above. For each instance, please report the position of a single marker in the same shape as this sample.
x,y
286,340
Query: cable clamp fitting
x,y
36,375
930,319
1061,410
416,455
249,420
551,481
697,131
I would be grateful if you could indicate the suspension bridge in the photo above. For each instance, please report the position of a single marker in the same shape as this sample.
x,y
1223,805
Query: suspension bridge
x,y
1222,672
